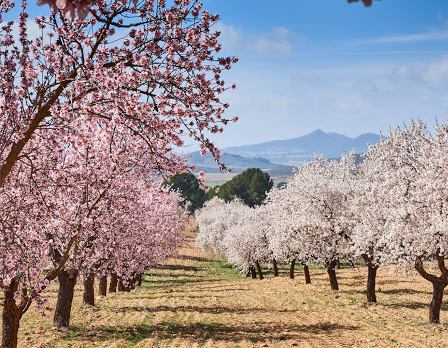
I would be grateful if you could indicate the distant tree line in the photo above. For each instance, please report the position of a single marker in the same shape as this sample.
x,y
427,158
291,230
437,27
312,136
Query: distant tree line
x,y
250,187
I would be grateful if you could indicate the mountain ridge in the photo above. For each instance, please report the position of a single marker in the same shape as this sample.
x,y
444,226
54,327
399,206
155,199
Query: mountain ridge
x,y
296,151
237,164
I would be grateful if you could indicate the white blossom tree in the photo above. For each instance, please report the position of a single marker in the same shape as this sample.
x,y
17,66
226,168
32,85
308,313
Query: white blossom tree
x,y
411,174
318,198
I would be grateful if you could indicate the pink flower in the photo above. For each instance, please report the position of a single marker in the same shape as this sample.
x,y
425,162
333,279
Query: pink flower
x,y
71,8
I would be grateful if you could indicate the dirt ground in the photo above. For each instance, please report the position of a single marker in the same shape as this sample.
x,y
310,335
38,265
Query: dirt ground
x,y
198,301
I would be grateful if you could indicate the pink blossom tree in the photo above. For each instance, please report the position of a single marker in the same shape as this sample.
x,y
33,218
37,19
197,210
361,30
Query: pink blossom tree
x,y
133,70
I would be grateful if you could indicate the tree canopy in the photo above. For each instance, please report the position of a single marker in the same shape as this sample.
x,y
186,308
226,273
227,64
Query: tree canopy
x,y
250,186
189,188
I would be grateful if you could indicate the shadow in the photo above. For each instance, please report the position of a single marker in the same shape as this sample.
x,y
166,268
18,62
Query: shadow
x,y
194,258
178,282
202,332
173,275
201,309
180,268
403,292
225,287
185,296
410,305
394,282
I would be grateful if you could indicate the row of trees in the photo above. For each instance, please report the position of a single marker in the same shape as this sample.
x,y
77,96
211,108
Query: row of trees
x,y
95,98
389,210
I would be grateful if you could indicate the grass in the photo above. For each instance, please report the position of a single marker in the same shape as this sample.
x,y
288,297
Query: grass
x,y
198,301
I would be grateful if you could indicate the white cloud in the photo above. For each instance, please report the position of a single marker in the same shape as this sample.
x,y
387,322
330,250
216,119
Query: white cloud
x,y
280,102
279,41
432,36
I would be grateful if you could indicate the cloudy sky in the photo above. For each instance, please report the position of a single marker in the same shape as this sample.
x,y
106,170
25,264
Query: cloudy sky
x,y
308,64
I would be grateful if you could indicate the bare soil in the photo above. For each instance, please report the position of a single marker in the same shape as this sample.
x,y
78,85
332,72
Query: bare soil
x,y
198,301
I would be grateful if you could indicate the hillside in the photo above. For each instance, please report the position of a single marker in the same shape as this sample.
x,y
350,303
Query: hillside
x,y
238,164
295,151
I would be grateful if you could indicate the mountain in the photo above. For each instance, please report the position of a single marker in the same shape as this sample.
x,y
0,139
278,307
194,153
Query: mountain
x,y
238,164
295,151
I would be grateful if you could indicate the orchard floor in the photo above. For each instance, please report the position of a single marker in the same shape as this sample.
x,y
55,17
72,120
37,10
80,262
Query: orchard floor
x,y
198,301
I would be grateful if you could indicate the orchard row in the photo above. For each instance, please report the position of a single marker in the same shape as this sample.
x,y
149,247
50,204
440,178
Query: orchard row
x,y
95,98
389,207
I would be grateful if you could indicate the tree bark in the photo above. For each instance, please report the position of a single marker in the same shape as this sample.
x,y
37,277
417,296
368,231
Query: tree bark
x,y
102,286
113,282
306,270
121,286
371,278
133,283
252,272
11,319
438,285
67,281
291,268
275,268
436,302
140,279
260,272
332,274
89,291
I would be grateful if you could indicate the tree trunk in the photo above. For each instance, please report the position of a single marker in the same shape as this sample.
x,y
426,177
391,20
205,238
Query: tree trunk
x,y
371,279
332,275
140,279
11,319
66,291
274,266
436,302
133,283
121,286
260,272
102,286
306,270
252,272
291,268
89,291
113,282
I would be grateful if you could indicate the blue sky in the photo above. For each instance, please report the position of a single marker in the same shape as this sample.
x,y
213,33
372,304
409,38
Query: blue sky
x,y
307,64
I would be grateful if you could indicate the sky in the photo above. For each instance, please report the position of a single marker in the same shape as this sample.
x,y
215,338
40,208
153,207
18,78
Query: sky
x,y
309,64
326,64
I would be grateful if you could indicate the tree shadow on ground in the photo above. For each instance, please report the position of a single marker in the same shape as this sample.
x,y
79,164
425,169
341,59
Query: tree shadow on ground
x,y
403,292
180,268
390,292
167,291
201,309
224,287
202,332
393,282
194,258
174,275
177,282
412,305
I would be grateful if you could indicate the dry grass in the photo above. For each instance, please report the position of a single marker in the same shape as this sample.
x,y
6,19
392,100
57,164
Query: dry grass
x,y
196,301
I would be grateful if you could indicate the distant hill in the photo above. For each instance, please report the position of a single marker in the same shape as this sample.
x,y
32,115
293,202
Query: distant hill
x,y
298,150
238,164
